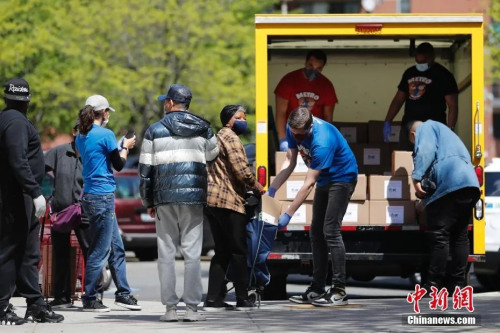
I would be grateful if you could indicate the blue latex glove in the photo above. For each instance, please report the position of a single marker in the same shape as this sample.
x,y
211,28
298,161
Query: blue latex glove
x,y
387,131
120,143
283,221
271,191
283,145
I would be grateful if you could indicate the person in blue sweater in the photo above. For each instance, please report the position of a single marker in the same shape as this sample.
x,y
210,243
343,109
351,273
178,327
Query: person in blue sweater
x,y
441,159
332,166
100,152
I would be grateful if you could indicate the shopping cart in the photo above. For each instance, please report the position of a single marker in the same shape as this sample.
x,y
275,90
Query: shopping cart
x,y
46,267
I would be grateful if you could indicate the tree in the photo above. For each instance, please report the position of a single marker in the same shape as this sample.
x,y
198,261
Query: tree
x,y
129,51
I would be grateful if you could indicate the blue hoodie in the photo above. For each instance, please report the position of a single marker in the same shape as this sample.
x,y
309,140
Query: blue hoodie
x,y
441,151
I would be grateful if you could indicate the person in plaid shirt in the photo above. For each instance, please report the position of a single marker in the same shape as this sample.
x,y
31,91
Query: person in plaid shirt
x,y
229,177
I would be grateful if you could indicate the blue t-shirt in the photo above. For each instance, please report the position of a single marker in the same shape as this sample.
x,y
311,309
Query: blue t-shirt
x,y
326,150
94,149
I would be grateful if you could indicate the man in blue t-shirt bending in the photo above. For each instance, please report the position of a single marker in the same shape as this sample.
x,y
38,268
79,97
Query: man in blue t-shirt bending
x,y
332,165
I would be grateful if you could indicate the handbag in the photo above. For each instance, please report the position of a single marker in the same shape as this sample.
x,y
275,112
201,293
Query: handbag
x,y
67,219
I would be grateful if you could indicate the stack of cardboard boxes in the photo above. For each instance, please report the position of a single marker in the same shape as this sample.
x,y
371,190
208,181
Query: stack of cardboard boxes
x,y
384,194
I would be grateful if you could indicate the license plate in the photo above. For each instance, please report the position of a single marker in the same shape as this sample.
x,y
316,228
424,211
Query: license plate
x,y
146,218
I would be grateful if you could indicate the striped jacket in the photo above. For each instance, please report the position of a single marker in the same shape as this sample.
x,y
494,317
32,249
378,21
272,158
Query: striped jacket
x,y
172,165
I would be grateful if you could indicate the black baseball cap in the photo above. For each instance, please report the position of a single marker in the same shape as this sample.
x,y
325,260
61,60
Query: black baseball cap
x,y
17,90
178,93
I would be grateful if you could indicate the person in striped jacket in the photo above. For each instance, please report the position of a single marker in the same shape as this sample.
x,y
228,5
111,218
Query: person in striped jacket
x,y
173,172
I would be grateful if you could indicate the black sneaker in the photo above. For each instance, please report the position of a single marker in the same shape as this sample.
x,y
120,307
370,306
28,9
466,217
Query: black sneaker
x,y
94,306
8,316
60,303
334,297
245,305
308,296
216,306
42,314
128,302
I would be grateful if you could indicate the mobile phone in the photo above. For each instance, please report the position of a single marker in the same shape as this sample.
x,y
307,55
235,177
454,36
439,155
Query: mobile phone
x,y
130,134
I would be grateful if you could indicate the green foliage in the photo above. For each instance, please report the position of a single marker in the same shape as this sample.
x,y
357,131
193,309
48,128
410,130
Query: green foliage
x,y
130,51
494,40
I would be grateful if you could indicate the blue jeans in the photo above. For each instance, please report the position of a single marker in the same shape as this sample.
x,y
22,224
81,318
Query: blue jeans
x,y
329,207
106,245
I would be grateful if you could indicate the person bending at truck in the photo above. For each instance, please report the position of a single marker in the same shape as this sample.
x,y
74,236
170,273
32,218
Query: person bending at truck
x,y
229,177
332,166
305,87
426,89
99,153
444,177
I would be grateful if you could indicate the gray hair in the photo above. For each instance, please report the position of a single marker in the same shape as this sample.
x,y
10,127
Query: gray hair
x,y
300,118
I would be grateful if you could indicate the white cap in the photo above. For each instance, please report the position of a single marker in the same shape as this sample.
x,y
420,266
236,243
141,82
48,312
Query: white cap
x,y
98,102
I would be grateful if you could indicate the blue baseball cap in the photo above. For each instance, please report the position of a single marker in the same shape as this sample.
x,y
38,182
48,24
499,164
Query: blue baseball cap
x,y
178,93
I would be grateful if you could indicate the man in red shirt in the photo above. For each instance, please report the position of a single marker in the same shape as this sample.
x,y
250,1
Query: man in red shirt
x,y
305,87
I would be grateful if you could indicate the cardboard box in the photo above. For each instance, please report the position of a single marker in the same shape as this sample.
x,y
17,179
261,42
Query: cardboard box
x,y
289,189
280,157
353,132
390,188
376,131
402,163
361,188
372,158
271,210
357,213
302,216
392,212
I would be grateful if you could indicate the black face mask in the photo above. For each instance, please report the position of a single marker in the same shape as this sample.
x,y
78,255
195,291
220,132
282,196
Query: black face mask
x,y
302,137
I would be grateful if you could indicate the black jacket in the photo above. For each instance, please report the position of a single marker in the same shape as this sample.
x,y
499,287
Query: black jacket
x,y
21,157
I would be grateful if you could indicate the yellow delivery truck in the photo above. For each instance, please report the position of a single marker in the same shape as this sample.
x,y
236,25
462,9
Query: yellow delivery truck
x,y
367,54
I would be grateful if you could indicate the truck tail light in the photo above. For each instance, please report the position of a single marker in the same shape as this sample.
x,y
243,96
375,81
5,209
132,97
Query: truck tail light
x,y
480,174
478,211
262,175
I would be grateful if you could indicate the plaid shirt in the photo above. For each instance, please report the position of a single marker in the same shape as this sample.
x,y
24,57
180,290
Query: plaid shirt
x,y
230,175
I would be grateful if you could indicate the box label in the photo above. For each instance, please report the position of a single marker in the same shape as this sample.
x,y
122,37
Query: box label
x,y
300,216
268,218
394,214
371,156
293,187
351,214
300,166
394,136
349,134
393,189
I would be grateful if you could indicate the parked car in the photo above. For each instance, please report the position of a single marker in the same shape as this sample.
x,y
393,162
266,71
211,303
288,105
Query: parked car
x,y
137,228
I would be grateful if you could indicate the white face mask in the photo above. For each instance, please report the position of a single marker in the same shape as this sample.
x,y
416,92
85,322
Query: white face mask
x,y
105,122
422,67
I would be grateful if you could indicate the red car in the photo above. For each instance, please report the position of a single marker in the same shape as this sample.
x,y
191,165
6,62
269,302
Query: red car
x,y
136,226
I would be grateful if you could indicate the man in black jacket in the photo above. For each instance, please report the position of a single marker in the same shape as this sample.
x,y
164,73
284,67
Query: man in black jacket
x,y
21,172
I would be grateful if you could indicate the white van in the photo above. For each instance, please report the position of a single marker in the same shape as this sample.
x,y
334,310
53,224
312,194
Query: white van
x,y
488,273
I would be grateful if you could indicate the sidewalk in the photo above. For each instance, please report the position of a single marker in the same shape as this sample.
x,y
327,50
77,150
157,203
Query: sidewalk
x,y
361,315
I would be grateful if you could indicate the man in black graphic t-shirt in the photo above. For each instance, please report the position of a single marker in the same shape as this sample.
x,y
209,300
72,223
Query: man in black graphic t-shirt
x,y
426,89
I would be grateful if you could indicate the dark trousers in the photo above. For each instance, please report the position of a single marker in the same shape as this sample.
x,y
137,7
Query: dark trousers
x,y
61,246
448,218
230,237
329,207
19,251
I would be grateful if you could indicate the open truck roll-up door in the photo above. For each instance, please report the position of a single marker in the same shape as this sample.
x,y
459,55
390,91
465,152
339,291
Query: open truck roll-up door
x,y
367,55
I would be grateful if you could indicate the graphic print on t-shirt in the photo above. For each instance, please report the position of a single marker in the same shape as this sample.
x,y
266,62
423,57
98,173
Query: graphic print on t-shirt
x,y
305,154
417,86
307,99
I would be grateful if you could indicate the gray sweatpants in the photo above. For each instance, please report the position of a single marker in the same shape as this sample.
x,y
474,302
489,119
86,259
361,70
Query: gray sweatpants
x,y
180,225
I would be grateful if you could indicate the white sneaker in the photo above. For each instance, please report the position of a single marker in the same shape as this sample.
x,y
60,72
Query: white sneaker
x,y
334,297
193,315
170,315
